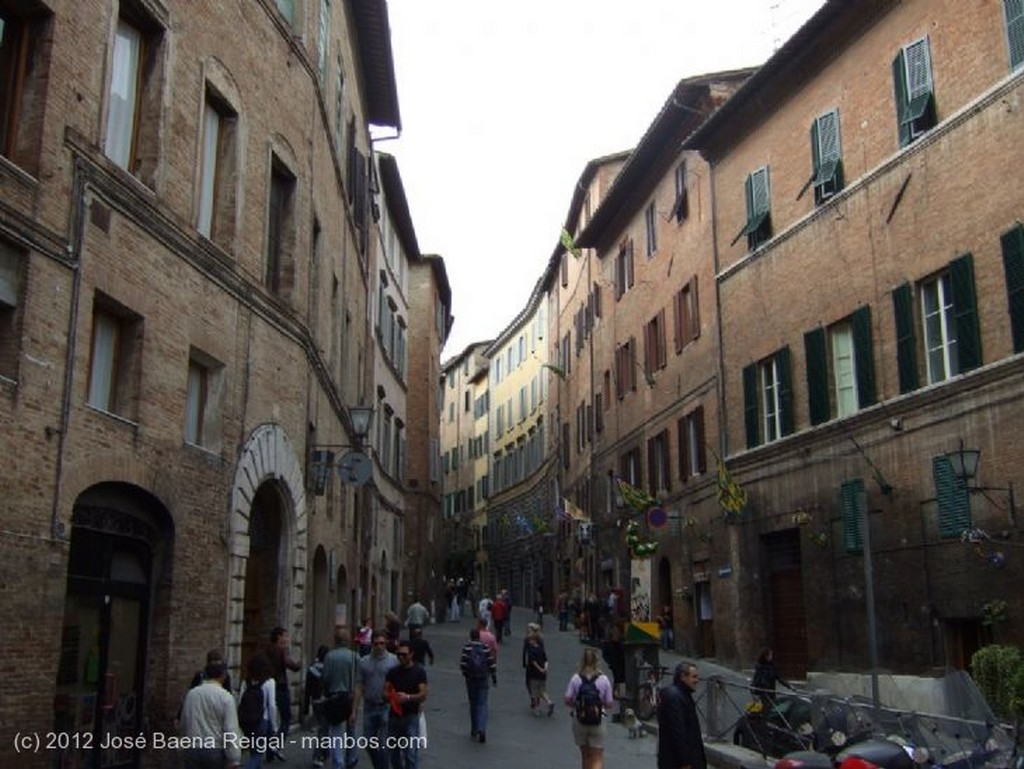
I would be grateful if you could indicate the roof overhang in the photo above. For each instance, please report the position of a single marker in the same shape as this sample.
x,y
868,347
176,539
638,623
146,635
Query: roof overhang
x,y
373,33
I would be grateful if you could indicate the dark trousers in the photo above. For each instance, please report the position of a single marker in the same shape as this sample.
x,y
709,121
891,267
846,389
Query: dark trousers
x,y
477,692
284,706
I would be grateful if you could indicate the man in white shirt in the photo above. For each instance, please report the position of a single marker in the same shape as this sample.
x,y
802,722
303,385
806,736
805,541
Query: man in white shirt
x,y
209,722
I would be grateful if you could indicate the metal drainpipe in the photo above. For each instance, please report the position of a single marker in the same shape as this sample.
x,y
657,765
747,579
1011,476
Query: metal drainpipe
x,y
57,528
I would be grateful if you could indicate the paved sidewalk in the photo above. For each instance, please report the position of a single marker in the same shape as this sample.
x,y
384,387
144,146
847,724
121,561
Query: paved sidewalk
x,y
515,737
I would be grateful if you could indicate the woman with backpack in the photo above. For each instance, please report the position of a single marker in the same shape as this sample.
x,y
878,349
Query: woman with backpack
x,y
588,695
257,708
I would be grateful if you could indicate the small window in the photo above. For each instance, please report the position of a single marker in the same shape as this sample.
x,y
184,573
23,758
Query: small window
x,y
651,224
655,353
12,265
202,405
624,269
217,172
692,452
280,230
658,464
323,39
681,206
24,73
687,316
115,359
768,399
915,96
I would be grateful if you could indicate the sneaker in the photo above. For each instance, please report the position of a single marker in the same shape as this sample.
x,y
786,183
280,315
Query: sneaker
x,y
483,736
551,709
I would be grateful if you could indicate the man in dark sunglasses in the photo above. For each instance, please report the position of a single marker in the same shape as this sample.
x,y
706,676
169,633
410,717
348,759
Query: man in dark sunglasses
x,y
407,688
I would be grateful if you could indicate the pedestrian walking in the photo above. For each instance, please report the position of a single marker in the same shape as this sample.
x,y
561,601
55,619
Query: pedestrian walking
x,y
364,637
313,700
339,679
371,674
257,709
679,738
477,664
209,718
538,607
420,647
214,655
484,612
562,607
281,662
589,695
393,628
416,616
499,613
766,675
535,663
665,624
406,688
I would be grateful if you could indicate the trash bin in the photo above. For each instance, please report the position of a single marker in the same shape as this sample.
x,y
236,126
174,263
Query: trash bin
x,y
643,667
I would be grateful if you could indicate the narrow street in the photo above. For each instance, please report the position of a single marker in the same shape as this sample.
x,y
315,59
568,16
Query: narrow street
x,y
515,738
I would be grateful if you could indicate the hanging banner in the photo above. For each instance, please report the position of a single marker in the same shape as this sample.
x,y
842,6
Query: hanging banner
x,y
640,590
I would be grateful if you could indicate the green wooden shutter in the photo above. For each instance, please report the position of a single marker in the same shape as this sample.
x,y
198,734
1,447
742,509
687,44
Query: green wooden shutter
x,y
815,154
853,503
906,345
785,390
1015,31
952,497
750,409
899,80
965,312
1013,265
863,356
817,376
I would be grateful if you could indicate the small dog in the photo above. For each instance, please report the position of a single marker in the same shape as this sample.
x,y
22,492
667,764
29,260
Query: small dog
x,y
633,724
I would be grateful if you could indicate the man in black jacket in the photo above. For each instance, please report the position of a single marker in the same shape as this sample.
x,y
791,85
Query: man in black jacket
x,y
679,740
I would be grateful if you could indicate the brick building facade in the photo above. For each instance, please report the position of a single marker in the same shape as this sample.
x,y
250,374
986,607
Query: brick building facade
x,y
188,237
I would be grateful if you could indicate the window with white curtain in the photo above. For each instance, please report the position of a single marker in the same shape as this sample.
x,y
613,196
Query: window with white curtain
x,y
195,407
106,337
124,96
208,170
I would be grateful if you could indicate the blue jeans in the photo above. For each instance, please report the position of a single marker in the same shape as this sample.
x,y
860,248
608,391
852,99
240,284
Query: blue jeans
x,y
256,757
477,691
408,727
375,724
340,757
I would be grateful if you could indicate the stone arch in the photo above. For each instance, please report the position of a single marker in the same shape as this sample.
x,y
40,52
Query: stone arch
x,y
268,455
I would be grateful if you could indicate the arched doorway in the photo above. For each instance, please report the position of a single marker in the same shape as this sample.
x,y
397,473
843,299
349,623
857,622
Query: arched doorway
x,y
121,538
267,585
664,597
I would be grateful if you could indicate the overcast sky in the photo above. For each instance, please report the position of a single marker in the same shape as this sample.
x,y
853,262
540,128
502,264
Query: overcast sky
x,y
503,104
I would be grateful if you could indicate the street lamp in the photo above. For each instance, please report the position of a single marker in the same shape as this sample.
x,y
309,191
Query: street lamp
x,y
964,463
354,467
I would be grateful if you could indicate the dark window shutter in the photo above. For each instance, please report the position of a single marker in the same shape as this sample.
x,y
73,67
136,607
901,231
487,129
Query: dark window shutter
x,y
853,502
677,314
702,455
965,312
906,346
863,356
952,498
694,319
597,301
652,469
1013,265
815,154
785,391
1015,31
899,80
817,376
751,418
631,361
684,448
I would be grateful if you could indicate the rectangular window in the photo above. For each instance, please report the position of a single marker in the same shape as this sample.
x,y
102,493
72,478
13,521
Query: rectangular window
x,y
939,328
115,359
687,317
217,171
12,261
629,467
522,404
651,225
598,412
195,407
625,368
564,270
624,269
287,9
658,463
826,157
844,375
840,368
768,399
655,353
952,498
208,168
692,451
1015,31
915,98
1013,266
681,206
24,65
280,223
499,421
124,95
758,227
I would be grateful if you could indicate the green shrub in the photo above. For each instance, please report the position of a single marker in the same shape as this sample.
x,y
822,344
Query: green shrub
x,y
999,673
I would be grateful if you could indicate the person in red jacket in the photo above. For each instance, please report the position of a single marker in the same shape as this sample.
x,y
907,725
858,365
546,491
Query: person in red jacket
x,y
499,615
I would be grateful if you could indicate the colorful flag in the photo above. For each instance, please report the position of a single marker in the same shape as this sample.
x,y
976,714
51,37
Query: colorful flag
x,y
569,244
573,511
731,496
636,498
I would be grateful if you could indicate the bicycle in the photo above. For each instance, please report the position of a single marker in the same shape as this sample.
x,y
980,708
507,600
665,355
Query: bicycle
x,y
648,692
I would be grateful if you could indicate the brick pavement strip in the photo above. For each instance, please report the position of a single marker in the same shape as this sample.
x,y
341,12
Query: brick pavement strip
x,y
515,738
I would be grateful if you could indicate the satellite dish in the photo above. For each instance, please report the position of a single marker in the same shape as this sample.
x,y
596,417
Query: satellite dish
x,y
355,468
